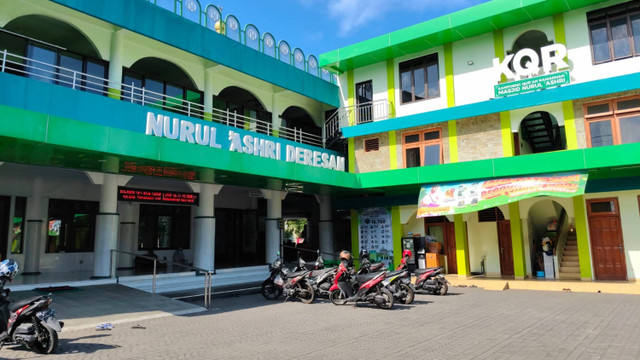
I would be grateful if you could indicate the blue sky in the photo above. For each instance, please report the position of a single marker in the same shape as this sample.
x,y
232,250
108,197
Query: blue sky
x,y
318,26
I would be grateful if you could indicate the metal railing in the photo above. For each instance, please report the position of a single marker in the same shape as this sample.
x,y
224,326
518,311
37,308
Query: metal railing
x,y
207,273
211,18
76,80
357,114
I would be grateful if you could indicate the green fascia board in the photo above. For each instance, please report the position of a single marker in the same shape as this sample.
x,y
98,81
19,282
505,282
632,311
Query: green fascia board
x,y
154,22
547,96
463,24
89,137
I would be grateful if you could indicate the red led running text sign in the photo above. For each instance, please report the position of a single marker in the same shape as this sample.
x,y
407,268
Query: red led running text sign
x,y
157,196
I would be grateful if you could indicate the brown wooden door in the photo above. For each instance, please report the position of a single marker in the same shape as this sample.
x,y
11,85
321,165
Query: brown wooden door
x,y
450,248
505,247
606,239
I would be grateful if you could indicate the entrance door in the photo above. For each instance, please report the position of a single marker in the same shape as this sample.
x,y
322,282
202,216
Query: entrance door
x,y
447,233
505,247
606,239
364,97
5,205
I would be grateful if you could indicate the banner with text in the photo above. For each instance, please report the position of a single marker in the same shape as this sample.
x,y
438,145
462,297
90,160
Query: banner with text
x,y
458,198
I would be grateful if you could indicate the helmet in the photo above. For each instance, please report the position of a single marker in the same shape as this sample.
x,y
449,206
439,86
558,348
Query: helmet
x,y
364,254
8,269
407,252
345,255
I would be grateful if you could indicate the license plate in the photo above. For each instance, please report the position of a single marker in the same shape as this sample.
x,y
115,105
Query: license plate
x,y
278,281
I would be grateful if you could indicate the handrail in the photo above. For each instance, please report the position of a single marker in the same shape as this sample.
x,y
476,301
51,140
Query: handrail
x,y
207,278
357,114
76,80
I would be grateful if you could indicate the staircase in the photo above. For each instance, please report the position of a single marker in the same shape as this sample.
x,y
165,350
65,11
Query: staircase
x,y
570,265
539,131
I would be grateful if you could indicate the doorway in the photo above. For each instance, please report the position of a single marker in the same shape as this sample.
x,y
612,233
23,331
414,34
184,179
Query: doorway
x,y
364,99
445,231
607,245
5,206
505,247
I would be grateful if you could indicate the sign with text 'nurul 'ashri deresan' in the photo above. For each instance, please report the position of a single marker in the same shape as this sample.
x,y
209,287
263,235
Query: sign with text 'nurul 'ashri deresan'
x,y
533,84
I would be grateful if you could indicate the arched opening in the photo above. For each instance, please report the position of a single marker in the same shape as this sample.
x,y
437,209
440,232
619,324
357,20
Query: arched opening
x,y
551,241
241,102
532,39
539,132
166,86
298,119
53,51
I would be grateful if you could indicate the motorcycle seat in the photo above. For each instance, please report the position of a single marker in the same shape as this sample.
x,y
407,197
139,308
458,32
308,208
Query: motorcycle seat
x,y
422,271
394,273
20,303
363,278
295,274
319,272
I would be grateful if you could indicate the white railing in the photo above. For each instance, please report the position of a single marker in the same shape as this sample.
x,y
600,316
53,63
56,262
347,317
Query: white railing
x,y
76,80
357,114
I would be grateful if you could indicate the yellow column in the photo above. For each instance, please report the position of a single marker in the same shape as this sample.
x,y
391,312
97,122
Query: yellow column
x,y
351,90
517,242
396,233
507,136
451,102
582,237
462,246
391,97
355,236
570,125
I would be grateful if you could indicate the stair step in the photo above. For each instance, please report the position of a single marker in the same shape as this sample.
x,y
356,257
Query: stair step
x,y
571,248
571,258
569,269
571,253
570,264
572,276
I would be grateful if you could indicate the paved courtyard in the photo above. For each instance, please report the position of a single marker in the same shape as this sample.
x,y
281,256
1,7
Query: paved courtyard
x,y
469,323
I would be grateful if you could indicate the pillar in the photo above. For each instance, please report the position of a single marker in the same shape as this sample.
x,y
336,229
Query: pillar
x,y
127,240
517,242
355,235
205,228
34,230
327,243
582,237
208,94
115,64
276,122
107,223
272,231
462,246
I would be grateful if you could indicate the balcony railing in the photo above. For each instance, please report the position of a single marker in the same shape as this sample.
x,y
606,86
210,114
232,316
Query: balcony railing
x,y
357,114
76,80
211,18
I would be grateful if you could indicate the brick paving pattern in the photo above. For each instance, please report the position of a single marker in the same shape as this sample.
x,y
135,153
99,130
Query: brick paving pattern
x,y
469,323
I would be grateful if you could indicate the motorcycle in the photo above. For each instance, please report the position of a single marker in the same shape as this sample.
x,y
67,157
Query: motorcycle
x,y
321,278
398,282
365,287
29,322
291,284
431,281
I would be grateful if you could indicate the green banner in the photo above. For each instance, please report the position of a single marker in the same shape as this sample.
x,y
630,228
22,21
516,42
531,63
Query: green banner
x,y
458,198
533,84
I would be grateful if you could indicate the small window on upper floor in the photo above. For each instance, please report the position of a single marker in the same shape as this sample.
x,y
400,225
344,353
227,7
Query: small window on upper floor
x,y
615,32
613,121
419,79
422,148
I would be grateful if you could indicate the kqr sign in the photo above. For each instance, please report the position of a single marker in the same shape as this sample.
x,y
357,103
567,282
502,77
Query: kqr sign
x,y
549,55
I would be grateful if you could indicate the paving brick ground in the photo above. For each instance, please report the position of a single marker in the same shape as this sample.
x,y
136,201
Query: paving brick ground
x,y
469,323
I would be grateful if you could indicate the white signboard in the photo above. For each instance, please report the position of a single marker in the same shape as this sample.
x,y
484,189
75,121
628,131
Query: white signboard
x,y
375,234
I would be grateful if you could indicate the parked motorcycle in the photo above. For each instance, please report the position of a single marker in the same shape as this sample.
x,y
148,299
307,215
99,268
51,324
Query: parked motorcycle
x,y
320,278
29,322
365,287
398,282
291,284
431,281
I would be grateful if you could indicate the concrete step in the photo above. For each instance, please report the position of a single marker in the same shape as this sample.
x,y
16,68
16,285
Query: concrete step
x,y
569,269
567,276
175,282
571,253
571,248
570,258
570,264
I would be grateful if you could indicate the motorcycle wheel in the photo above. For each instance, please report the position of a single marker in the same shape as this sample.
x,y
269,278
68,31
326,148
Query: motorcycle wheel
x,y
410,294
443,288
307,295
270,290
388,303
335,296
46,340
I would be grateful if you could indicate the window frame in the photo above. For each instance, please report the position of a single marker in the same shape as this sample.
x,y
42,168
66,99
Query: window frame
x,y
613,115
411,66
421,145
606,16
